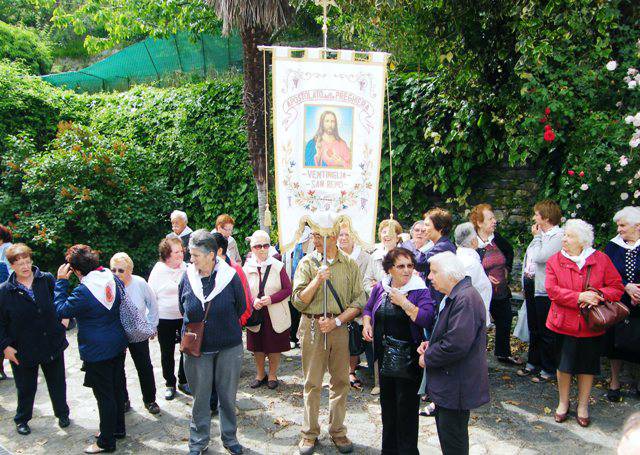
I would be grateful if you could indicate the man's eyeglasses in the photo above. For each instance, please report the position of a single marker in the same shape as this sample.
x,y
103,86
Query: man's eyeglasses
x,y
264,246
404,266
114,270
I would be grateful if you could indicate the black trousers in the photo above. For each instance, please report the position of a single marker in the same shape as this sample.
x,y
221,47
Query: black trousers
x,y
26,380
545,339
400,404
142,361
453,431
295,323
168,335
105,379
500,310
533,355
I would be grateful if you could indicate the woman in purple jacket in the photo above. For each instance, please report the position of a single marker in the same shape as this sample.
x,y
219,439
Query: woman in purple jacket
x,y
399,308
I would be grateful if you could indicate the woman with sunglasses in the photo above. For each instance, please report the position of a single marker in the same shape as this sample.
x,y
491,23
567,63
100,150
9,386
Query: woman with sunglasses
x,y
400,308
271,285
144,299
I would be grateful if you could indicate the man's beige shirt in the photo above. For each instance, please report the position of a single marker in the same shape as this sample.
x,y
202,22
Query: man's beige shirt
x,y
345,277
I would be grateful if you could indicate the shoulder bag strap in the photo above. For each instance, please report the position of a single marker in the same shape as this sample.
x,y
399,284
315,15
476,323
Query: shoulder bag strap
x,y
331,288
263,282
586,283
206,311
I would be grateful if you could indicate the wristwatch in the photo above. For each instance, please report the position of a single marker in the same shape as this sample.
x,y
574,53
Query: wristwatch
x,y
338,322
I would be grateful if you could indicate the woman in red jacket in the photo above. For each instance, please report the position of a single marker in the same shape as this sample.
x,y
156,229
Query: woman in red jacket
x,y
578,348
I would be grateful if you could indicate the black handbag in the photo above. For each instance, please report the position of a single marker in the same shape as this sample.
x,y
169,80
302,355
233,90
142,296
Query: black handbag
x,y
356,342
399,357
626,335
256,316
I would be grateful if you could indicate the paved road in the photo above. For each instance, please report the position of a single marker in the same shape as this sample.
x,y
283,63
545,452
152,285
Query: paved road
x,y
518,420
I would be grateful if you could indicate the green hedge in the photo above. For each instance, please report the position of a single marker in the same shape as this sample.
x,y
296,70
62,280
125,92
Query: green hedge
x,y
26,46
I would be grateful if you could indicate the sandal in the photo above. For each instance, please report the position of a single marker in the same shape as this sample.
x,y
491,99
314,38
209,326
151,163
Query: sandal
x,y
523,372
355,383
541,377
511,360
429,410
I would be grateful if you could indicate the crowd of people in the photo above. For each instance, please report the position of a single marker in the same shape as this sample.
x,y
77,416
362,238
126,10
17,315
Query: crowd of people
x,y
418,306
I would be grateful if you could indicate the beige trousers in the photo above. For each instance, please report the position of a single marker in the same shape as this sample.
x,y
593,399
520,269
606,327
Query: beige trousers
x,y
315,362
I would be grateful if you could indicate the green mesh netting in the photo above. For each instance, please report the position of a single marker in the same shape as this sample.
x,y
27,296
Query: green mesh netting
x,y
154,59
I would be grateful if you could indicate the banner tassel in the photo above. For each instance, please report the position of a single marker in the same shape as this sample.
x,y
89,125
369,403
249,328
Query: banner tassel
x,y
267,216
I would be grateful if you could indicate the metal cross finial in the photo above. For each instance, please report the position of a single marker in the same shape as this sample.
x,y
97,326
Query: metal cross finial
x,y
325,7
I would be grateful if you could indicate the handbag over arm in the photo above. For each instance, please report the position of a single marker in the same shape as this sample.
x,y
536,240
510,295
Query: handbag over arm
x,y
191,342
606,314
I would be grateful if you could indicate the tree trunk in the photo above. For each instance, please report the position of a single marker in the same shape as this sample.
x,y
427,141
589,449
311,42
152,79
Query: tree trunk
x,y
253,100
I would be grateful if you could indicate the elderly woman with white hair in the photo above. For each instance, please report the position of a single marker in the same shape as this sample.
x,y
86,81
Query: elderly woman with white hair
x,y
621,344
271,286
143,297
180,230
467,242
569,272
211,292
455,357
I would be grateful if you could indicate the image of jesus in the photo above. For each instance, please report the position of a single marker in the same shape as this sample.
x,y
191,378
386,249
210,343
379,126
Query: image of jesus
x,y
326,148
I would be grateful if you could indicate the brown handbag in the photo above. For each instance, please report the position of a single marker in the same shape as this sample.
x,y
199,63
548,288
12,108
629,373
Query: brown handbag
x,y
192,338
606,314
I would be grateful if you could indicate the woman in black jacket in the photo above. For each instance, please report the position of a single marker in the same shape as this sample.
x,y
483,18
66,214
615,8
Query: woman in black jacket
x,y
32,336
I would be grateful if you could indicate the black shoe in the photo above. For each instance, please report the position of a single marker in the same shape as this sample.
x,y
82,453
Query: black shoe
x,y
153,408
614,395
235,449
127,406
259,382
170,393
184,388
64,422
3,375
23,429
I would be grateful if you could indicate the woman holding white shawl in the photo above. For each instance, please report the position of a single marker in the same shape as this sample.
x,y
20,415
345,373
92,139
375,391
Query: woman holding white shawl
x,y
398,311
95,303
212,284
271,285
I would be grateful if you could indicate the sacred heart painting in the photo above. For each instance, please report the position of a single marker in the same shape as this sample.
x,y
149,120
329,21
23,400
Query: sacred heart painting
x,y
328,135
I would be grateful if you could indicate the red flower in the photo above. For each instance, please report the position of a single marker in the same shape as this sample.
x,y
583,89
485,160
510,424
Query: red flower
x,y
547,111
543,120
581,174
570,172
547,127
549,136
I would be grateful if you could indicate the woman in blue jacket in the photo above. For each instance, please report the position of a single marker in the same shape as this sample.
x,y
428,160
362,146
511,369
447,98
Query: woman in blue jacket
x,y
95,303
32,336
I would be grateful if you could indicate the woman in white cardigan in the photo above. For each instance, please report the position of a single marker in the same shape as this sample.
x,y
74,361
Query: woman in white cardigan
x,y
164,280
269,282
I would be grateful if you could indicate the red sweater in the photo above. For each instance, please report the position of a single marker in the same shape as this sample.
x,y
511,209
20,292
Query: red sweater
x,y
247,293
565,282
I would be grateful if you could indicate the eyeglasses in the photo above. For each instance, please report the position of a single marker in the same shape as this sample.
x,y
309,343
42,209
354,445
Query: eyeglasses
x,y
404,266
114,270
264,246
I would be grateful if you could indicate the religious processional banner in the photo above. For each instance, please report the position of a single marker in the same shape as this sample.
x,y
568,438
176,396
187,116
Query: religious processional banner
x,y
328,115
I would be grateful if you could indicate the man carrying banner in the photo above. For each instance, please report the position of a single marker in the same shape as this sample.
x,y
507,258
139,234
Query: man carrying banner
x,y
345,299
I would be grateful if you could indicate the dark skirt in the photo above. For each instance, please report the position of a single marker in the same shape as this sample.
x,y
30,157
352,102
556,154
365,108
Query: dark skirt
x,y
610,350
578,355
266,339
